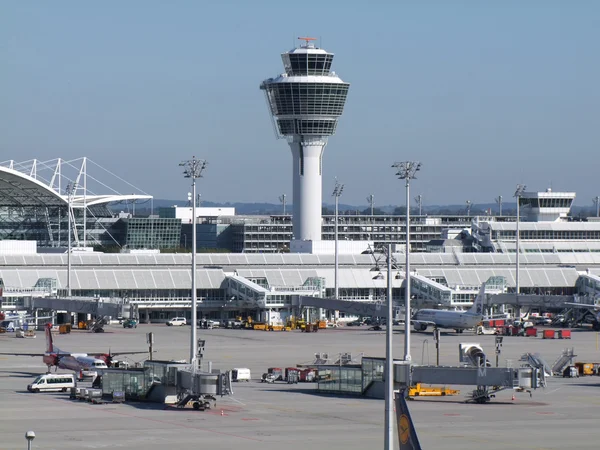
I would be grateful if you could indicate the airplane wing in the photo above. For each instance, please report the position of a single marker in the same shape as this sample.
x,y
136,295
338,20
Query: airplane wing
x,y
128,353
24,354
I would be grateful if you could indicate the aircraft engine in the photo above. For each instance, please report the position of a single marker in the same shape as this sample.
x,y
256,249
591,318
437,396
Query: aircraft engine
x,y
420,326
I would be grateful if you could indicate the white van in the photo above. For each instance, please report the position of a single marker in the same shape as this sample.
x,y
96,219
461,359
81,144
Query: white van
x,y
240,374
52,382
177,321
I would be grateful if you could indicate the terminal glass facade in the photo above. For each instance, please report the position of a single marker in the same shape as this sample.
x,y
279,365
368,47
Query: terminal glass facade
x,y
150,232
340,379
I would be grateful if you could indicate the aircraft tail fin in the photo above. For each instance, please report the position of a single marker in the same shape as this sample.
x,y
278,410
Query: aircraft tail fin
x,y
49,344
407,436
477,307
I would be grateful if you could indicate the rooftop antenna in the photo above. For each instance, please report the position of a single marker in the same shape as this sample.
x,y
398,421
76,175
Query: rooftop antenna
x,y
307,39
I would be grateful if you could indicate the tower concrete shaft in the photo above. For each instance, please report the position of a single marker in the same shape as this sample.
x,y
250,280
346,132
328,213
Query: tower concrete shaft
x,y
305,103
307,154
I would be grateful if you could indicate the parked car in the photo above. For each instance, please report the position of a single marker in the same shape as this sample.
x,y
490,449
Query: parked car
x,y
355,323
177,321
208,324
130,323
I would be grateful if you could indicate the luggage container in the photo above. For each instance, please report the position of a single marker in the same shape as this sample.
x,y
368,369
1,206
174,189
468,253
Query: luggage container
x,y
549,334
288,370
293,376
308,375
564,334
531,332
73,395
94,396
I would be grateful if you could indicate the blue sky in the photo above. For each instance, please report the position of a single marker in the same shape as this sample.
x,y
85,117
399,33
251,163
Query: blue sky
x,y
485,94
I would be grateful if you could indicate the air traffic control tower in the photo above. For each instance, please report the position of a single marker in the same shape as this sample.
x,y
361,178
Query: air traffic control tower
x,y
306,102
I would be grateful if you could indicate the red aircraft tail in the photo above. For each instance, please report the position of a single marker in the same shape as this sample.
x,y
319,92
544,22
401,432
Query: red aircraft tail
x,y
49,345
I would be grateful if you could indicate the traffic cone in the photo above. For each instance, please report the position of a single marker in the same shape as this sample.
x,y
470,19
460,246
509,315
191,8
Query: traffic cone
x,y
222,413
513,397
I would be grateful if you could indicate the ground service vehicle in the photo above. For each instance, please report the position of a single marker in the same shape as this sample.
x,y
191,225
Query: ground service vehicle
x,y
52,382
177,321
240,374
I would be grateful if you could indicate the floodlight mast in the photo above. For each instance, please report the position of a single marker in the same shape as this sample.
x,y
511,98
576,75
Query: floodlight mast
x,y
282,199
419,200
193,169
371,200
407,171
389,359
518,193
71,188
499,201
596,200
337,192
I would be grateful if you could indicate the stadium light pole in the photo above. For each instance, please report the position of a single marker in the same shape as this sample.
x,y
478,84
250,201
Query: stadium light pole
x,y
499,201
407,171
337,192
371,200
518,193
419,200
282,199
71,187
193,169
596,200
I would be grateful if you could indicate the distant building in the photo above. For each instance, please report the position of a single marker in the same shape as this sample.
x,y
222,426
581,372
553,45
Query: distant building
x,y
544,228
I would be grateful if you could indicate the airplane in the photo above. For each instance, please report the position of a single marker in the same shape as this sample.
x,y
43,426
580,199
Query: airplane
x,y
595,309
407,436
81,363
458,320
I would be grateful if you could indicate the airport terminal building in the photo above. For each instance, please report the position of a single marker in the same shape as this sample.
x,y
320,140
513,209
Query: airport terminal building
x,y
557,257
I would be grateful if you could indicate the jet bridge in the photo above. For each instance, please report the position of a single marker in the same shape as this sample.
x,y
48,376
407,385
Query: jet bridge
x,y
357,308
488,380
99,307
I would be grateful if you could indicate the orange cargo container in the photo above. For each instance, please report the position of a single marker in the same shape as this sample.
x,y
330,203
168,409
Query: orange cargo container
x,y
564,334
531,332
549,334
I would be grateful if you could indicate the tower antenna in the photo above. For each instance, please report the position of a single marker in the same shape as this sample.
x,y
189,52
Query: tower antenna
x,y
307,39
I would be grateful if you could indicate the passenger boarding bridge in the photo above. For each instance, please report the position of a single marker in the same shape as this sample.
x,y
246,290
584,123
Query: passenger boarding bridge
x,y
588,288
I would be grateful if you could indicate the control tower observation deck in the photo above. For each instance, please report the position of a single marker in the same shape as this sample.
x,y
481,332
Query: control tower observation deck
x,y
306,102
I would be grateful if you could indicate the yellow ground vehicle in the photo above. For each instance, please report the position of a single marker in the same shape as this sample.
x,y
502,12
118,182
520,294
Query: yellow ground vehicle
x,y
418,390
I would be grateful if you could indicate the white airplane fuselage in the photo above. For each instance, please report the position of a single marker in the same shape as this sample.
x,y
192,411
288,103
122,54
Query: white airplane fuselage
x,y
77,362
458,320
